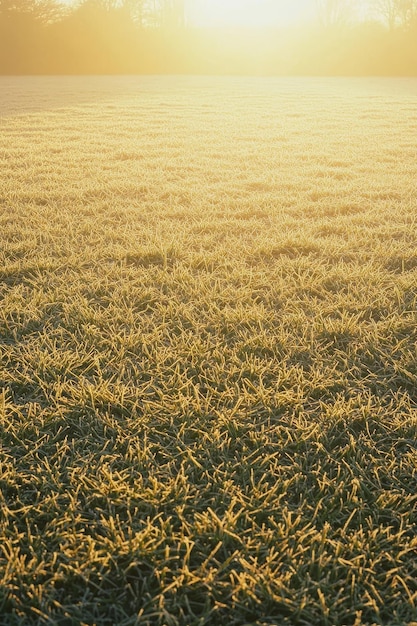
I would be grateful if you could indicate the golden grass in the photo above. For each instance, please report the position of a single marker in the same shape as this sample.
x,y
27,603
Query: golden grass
x,y
208,351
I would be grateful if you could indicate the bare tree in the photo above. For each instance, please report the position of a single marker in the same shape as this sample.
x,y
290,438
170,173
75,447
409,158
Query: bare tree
x,y
40,11
408,12
169,13
335,12
136,10
396,13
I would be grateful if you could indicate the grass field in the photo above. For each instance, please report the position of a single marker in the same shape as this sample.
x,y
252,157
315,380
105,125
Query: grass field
x,y
208,375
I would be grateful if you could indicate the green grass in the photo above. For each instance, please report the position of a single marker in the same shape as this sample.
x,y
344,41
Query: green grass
x,y
208,367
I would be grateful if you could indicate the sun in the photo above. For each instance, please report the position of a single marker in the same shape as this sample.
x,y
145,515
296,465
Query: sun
x,y
249,13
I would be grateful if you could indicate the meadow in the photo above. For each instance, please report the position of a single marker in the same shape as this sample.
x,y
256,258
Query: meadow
x,y
208,340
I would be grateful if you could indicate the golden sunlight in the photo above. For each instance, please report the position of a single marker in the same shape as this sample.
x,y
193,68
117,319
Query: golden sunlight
x,y
248,13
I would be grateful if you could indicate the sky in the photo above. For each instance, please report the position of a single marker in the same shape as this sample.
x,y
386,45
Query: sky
x,y
249,12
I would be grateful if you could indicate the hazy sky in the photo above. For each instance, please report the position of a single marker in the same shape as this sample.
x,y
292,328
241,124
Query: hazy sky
x,y
249,12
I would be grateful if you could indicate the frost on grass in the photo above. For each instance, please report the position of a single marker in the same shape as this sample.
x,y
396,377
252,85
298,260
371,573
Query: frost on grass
x,y
208,352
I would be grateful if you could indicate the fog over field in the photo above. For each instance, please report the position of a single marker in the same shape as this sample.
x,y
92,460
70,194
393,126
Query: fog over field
x,y
208,351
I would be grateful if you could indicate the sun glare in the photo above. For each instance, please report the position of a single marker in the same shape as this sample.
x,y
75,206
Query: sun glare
x,y
249,13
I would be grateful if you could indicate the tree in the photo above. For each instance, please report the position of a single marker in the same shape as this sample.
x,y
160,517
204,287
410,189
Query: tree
x,y
38,11
173,12
396,13
335,12
136,10
167,13
408,12
23,31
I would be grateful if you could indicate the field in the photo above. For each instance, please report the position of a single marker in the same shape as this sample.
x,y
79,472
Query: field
x,y
208,375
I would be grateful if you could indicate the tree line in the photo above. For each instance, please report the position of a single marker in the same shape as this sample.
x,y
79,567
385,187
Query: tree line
x,y
153,36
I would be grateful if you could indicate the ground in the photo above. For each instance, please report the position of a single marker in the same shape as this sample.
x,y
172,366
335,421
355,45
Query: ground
x,y
208,351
